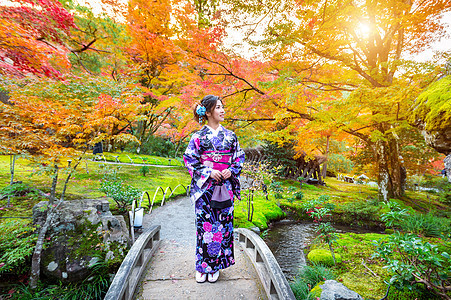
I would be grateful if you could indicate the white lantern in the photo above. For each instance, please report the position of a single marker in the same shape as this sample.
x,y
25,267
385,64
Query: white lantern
x,y
138,220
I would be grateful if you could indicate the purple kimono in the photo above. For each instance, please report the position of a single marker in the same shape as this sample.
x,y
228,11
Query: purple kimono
x,y
213,150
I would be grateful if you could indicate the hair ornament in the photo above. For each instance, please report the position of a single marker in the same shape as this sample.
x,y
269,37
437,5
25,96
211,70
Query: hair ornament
x,y
201,110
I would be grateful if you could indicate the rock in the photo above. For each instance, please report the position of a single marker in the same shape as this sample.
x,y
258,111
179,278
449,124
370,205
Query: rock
x,y
439,140
333,290
255,229
82,232
447,162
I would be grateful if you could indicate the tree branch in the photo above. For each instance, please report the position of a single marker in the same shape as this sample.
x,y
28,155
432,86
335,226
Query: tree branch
x,y
230,73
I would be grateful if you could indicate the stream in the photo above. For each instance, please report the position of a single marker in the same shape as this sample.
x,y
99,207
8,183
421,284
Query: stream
x,y
288,238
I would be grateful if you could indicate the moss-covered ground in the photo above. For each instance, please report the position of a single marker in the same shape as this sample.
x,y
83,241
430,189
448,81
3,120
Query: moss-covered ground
x,y
352,204
125,157
85,183
358,205
358,270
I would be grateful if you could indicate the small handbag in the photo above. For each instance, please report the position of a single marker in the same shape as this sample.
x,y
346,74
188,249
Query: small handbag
x,y
221,197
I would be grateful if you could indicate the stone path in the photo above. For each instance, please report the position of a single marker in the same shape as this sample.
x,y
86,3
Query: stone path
x,y
170,274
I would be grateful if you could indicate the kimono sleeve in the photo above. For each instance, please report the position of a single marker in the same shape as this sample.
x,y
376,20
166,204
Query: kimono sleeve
x,y
199,172
237,158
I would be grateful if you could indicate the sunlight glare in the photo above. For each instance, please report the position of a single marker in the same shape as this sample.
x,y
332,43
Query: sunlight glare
x,y
363,29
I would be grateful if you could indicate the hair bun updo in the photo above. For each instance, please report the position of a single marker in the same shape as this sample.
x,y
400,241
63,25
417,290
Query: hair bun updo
x,y
209,102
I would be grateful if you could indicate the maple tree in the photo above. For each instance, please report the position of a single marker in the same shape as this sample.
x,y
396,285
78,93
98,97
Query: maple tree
x,y
51,122
158,31
339,65
97,41
31,38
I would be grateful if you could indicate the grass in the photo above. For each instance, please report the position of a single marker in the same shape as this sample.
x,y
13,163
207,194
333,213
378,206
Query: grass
x,y
358,270
343,194
133,158
85,182
265,211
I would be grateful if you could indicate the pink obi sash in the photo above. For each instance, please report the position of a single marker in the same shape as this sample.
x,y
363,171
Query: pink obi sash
x,y
217,160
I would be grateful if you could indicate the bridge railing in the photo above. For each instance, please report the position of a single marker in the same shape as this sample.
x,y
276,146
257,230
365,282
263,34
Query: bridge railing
x,y
273,280
127,277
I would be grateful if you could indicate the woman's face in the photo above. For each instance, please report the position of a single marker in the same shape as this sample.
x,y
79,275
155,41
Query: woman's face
x,y
217,114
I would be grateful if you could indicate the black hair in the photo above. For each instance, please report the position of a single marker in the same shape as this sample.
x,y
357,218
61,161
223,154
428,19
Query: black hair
x,y
209,102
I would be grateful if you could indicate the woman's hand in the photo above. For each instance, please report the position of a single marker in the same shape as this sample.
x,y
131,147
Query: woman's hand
x,y
216,175
226,173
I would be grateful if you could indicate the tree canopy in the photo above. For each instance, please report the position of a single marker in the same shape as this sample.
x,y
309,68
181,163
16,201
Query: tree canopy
x,y
326,72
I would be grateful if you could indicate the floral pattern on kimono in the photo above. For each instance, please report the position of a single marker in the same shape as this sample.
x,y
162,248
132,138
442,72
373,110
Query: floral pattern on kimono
x,y
205,140
214,227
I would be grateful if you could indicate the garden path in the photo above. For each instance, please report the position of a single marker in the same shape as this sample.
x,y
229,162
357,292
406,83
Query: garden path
x,y
170,274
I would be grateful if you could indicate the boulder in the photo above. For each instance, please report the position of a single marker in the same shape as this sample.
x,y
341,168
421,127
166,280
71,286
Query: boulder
x,y
333,290
447,163
81,233
439,140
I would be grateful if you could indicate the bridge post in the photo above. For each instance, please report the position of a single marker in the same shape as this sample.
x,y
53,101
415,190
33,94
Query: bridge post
x,y
273,280
124,284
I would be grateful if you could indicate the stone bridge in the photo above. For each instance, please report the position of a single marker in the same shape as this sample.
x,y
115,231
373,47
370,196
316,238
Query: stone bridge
x,y
160,265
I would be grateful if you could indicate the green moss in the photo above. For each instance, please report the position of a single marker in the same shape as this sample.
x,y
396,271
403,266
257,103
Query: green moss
x,y
323,257
418,293
265,211
85,183
316,291
85,240
434,105
368,287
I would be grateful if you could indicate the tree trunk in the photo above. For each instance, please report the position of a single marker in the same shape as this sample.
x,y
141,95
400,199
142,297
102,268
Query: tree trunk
x,y
12,163
331,249
309,174
53,189
389,171
324,173
396,177
307,167
320,180
36,258
63,193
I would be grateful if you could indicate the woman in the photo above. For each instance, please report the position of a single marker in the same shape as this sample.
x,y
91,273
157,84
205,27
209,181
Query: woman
x,y
214,160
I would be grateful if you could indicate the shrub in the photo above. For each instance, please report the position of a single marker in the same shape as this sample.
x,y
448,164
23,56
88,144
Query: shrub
x,y
298,195
276,187
278,196
17,243
144,170
427,225
18,189
411,260
323,257
319,202
417,292
308,277
314,274
445,194
395,214
362,210
300,289
156,145
123,194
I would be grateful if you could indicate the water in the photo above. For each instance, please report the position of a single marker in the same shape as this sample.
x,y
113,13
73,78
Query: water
x,y
287,240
